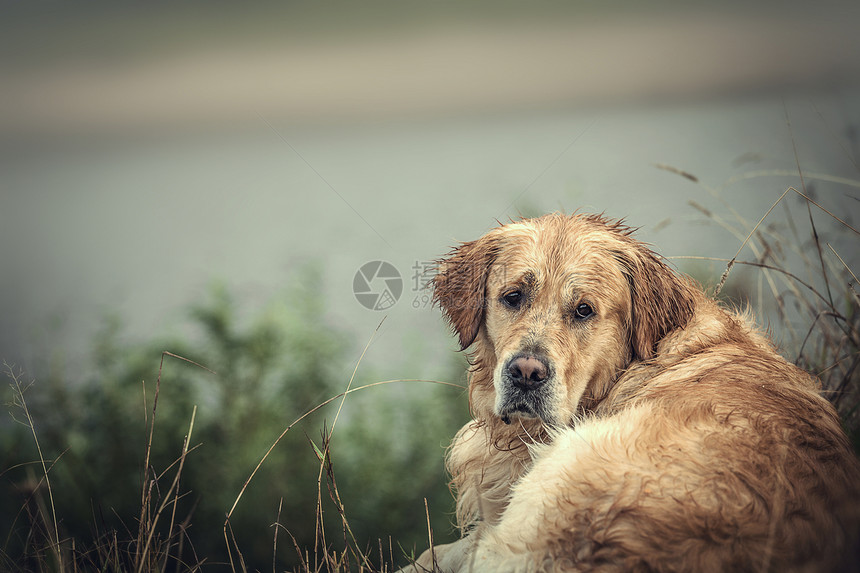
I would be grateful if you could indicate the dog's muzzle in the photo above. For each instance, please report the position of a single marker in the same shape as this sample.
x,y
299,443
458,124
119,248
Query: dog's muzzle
x,y
524,379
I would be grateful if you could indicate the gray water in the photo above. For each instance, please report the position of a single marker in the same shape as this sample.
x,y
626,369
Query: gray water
x,y
142,227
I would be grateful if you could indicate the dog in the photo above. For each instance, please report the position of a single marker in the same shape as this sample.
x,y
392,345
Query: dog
x,y
623,420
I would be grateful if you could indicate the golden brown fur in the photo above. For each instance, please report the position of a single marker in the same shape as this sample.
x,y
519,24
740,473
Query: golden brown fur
x,y
624,421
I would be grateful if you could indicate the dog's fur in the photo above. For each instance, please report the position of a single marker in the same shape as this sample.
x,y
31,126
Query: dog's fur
x,y
658,432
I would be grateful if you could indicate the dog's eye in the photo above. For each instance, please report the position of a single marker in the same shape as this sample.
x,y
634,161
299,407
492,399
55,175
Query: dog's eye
x,y
513,298
583,311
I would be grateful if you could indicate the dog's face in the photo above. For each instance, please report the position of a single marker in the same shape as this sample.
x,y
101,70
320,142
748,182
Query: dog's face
x,y
557,313
557,307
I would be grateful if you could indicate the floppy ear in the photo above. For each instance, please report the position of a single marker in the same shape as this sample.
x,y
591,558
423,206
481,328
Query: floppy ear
x,y
661,300
459,287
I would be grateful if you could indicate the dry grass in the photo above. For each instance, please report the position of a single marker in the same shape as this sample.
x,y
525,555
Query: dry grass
x,y
161,542
154,548
818,316
323,556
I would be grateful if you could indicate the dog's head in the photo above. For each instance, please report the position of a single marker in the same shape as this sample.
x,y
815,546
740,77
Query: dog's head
x,y
556,308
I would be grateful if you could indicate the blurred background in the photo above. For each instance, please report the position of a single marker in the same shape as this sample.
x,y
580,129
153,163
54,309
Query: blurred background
x,y
208,178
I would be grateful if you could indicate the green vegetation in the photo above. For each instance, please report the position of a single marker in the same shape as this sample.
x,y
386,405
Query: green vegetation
x,y
268,370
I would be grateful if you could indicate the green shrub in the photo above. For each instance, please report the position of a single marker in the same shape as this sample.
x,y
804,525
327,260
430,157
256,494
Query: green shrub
x,y
269,369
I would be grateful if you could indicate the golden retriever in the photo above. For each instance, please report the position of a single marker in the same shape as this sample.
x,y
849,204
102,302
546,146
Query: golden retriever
x,y
625,421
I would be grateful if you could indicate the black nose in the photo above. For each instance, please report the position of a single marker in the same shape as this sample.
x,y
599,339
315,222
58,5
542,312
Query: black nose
x,y
527,372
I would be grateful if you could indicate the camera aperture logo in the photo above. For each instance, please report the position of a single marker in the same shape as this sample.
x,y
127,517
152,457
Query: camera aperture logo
x,y
377,285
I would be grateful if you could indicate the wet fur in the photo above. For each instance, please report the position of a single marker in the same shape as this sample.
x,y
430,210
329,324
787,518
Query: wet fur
x,y
672,437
